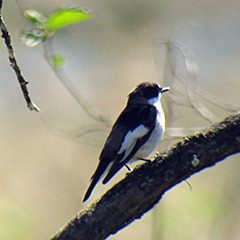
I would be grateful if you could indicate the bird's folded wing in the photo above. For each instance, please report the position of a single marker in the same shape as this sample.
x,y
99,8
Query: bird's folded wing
x,y
143,123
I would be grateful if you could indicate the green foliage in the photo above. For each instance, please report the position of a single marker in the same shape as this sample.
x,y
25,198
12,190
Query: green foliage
x,y
33,37
46,27
66,16
35,17
58,61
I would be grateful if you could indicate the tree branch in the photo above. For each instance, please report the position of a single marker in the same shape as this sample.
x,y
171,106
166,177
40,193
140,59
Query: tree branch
x,y
13,62
141,189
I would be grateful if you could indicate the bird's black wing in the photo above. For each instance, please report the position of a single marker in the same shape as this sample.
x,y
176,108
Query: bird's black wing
x,y
111,147
145,117
130,118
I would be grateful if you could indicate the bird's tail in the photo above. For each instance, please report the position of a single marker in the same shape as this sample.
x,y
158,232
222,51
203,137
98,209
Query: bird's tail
x,y
102,166
113,170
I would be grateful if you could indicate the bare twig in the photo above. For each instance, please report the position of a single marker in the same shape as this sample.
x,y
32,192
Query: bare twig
x,y
143,188
75,93
228,107
179,132
184,89
13,62
191,82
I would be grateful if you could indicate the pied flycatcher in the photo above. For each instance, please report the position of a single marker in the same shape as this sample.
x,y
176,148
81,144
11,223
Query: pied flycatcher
x,y
135,134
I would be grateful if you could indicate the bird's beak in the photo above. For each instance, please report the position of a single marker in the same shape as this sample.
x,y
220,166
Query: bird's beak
x,y
165,89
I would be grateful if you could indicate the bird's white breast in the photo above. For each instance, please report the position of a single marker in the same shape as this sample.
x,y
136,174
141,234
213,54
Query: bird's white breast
x,y
132,136
156,135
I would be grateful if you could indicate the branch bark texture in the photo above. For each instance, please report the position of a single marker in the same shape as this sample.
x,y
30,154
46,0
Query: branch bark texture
x,y
141,189
13,63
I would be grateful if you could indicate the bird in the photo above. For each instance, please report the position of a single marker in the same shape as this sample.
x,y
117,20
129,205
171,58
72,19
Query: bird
x,y
134,135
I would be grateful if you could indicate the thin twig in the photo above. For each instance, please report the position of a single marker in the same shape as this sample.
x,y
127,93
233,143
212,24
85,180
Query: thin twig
x,y
13,63
229,107
191,83
72,89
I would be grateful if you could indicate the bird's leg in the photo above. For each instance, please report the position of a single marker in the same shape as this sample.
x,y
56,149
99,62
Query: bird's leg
x,y
128,168
189,184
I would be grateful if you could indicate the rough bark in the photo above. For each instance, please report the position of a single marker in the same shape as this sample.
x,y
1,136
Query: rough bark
x,y
13,63
141,189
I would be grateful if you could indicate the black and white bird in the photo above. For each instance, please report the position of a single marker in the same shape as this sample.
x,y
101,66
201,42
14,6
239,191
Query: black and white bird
x,y
135,134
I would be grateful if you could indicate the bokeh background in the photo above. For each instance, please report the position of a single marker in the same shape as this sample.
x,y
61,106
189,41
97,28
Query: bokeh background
x,y
45,167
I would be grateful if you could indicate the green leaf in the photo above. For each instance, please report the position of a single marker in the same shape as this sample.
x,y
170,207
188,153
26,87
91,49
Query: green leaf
x,y
35,17
58,61
33,37
66,16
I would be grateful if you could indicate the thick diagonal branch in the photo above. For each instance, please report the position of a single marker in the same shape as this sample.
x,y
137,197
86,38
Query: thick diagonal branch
x,y
143,188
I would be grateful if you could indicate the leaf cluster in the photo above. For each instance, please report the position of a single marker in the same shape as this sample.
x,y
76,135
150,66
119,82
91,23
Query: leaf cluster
x,y
46,27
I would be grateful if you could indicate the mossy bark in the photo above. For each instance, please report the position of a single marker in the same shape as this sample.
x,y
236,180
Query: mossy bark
x,y
141,189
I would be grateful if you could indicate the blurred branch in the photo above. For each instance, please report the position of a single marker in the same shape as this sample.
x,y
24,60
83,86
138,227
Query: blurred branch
x,y
179,132
13,62
191,82
229,107
185,91
72,89
141,189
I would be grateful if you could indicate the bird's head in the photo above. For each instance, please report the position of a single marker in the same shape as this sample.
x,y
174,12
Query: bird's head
x,y
147,92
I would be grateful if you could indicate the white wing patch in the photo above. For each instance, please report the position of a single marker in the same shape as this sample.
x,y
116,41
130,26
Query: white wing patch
x,y
130,140
132,136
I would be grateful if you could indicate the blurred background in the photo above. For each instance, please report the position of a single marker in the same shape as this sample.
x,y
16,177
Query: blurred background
x,y
46,166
